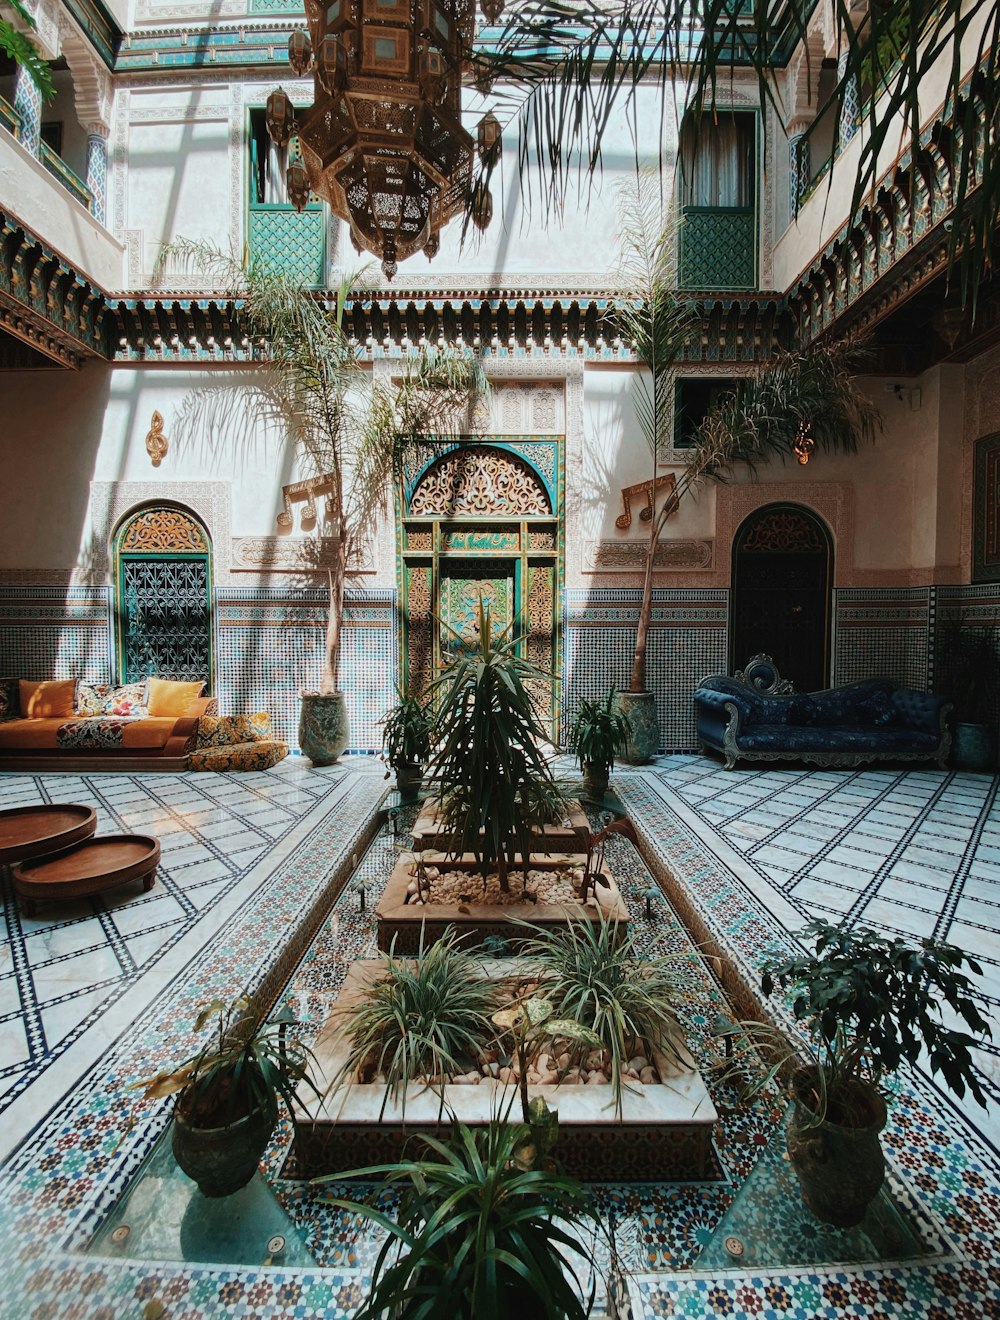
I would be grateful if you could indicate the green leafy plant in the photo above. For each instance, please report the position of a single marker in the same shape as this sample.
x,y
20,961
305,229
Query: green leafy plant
x,y
866,1003
19,47
592,975
599,733
406,732
424,1017
493,780
530,1021
246,1062
477,1236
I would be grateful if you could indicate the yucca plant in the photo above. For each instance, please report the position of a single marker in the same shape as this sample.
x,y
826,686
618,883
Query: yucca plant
x,y
591,974
425,1017
493,780
599,734
477,1236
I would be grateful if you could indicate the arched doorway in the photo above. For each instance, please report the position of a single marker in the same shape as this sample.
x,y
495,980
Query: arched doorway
x,y
480,522
782,571
163,596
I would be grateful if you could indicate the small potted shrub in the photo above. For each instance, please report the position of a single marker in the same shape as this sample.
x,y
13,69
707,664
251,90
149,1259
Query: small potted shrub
x,y
406,740
600,733
866,1003
227,1094
493,780
479,1233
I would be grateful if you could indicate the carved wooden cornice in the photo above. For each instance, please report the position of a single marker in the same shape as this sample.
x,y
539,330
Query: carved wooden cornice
x,y
44,302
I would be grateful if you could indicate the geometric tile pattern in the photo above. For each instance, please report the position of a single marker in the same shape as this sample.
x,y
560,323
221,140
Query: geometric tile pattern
x,y
688,639
883,632
75,1156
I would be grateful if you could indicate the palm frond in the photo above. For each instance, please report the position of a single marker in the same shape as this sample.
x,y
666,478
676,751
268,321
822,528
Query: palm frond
x,y
19,47
563,71
815,386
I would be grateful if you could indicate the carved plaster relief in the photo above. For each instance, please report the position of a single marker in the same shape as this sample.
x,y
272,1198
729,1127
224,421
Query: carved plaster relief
x,y
833,501
110,501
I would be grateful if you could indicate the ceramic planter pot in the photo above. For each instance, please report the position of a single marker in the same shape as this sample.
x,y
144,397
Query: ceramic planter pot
x,y
840,1168
221,1160
323,727
973,747
595,780
639,708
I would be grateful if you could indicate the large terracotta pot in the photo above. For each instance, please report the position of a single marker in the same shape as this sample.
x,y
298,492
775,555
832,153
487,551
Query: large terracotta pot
x,y
639,708
221,1160
840,1166
323,729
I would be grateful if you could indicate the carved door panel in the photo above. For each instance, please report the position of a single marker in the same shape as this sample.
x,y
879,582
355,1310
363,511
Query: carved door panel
x,y
781,594
463,586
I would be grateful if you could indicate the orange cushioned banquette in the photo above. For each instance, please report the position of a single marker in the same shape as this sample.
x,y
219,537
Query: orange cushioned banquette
x,y
149,732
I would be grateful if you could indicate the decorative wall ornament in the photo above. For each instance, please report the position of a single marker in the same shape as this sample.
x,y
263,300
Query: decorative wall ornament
x,y
630,556
283,554
112,501
479,481
164,531
647,490
156,442
782,532
306,490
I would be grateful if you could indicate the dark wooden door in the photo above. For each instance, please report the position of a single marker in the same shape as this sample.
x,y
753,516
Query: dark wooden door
x,y
782,569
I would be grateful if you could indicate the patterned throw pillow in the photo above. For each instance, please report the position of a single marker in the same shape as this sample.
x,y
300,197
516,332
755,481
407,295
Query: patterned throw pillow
x,y
92,699
230,730
127,700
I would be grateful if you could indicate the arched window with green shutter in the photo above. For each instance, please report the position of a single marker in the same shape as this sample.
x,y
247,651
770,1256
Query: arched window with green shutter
x,y
163,596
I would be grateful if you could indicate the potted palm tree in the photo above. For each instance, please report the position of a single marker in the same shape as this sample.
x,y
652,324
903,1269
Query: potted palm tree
x,y
600,733
227,1093
406,740
342,424
865,1003
807,392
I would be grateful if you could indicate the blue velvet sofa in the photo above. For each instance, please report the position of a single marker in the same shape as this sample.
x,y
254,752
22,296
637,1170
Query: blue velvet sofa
x,y
758,716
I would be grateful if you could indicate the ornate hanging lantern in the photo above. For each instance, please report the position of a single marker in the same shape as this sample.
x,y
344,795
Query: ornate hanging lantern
x,y
383,142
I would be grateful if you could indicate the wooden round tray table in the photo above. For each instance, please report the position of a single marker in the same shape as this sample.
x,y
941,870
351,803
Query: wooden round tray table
x,y
87,868
47,828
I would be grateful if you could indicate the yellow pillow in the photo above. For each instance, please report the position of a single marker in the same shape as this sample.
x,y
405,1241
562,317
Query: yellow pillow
x,y
169,698
52,699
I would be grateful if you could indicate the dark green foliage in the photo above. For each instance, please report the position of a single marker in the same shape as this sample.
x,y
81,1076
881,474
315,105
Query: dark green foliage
x,y
22,50
600,733
478,1236
870,1002
426,1017
492,776
247,1061
970,671
406,732
592,975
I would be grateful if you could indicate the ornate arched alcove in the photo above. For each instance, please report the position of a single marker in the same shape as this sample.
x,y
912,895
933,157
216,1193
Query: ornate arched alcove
x,y
163,595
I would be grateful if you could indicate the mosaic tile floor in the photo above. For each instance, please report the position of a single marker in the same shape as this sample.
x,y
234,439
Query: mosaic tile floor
x,y
75,1139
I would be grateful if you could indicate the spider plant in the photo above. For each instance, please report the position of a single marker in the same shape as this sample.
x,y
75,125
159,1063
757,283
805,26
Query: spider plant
x,y
425,1017
494,782
591,974
477,1235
